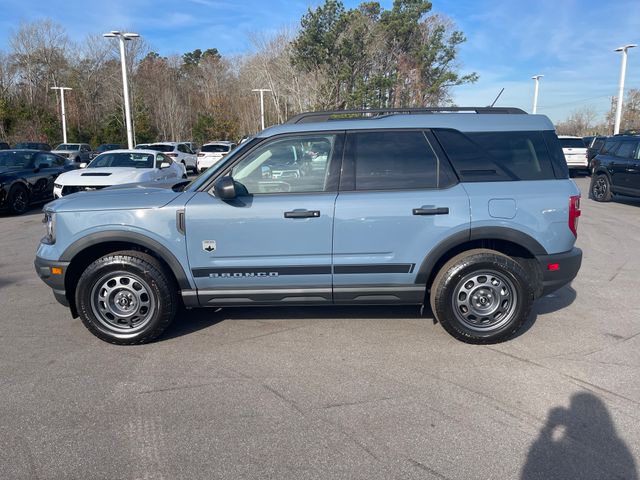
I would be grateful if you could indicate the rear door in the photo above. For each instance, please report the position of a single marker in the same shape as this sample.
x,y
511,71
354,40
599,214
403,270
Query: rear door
x,y
623,165
633,170
398,199
271,244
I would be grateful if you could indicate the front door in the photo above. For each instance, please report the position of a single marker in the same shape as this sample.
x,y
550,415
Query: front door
x,y
273,243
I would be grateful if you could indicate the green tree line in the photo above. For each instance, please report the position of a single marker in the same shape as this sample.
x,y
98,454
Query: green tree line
x,y
364,57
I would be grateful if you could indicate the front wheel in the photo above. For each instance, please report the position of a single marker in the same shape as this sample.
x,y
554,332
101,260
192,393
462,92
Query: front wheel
x,y
482,296
600,188
126,298
18,200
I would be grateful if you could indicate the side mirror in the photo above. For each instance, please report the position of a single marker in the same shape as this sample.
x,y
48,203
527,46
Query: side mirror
x,y
36,169
225,188
165,165
83,165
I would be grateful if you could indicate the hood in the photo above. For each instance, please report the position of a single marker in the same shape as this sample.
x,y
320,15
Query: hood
x,y
89,177
123,197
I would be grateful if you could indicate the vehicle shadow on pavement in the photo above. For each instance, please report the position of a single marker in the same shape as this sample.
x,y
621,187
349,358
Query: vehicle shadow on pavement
x,y
553,302
579,442
190,321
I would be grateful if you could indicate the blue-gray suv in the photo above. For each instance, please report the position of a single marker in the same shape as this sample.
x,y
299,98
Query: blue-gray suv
x,y
468,209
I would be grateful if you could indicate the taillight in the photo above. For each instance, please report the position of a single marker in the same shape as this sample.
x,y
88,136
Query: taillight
x,y
574,214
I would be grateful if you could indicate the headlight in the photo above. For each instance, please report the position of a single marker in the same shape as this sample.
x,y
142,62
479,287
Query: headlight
x,y
49,221
57,185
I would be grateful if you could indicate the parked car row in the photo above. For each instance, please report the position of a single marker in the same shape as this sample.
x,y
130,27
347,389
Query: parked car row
x,y
29,177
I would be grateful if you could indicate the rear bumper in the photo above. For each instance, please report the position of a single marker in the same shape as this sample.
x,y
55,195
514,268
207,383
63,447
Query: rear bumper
x,y
568,265
56,282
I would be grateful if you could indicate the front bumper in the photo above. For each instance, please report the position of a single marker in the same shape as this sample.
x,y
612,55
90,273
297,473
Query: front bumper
x,y
55,281
559,269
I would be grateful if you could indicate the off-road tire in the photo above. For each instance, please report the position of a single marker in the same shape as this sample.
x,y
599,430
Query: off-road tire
x,y
600,188
152,278
488,271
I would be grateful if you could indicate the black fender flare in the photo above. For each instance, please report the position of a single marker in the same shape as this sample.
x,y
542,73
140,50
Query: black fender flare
x,y
478,233
129,237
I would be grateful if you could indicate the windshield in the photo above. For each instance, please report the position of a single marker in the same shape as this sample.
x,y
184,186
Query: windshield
x,y
68,146
215,148
16,159
29,146
107,146
125,160
159,147
571,143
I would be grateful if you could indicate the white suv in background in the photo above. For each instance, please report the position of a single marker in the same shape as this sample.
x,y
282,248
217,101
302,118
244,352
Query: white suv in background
x,y
212,152
179,152
575,153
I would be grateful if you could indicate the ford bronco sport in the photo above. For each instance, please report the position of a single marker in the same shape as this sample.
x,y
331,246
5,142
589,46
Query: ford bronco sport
x,y
468,209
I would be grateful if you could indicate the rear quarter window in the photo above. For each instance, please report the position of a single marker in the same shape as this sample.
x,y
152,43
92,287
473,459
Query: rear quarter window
x,y
499,156
610,147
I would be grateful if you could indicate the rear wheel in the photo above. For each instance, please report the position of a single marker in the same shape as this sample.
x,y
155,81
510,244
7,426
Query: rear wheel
x,y
18,200
126,298
482,296
600,188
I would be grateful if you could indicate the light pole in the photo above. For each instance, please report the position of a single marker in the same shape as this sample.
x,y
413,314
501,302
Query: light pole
x,y
64,116
125,86
261,90
623,71
536,78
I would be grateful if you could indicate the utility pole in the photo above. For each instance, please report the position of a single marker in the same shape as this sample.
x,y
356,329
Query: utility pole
x,y
623,71
64,116
536,78
261,90
122,37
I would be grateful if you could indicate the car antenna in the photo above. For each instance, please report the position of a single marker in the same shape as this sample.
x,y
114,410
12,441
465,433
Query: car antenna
x,y
494,102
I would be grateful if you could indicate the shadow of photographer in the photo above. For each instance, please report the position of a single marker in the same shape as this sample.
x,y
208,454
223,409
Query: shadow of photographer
x,y
581,443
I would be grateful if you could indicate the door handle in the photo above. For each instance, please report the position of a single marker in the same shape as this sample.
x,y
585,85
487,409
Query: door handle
x,y
430,210
302,214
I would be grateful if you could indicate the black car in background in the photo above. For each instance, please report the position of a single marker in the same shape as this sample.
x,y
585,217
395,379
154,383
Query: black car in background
x,y
33,146
105,147
4,146
27,176
616,169
594,145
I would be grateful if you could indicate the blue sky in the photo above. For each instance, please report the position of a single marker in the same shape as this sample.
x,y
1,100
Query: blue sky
x,y
570,42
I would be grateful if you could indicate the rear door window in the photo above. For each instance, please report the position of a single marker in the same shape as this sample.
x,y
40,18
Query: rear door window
x,y
610,147
626,149
497,156
397,160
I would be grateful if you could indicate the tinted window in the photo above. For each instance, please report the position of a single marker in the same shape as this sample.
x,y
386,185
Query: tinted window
x,y
161,158
68,146
610,147
160,147
215,148
571,142
497,156
292,164
396,161
626,149
13,159
597,145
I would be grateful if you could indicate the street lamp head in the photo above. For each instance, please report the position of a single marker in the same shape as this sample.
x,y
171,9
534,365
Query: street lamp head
x,y
130,35
625,47
109,35
537,77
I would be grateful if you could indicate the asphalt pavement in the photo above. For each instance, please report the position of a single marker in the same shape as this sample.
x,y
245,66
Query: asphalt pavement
x,y
306,393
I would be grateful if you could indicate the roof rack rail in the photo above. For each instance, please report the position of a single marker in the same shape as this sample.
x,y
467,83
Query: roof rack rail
x,y
379,112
